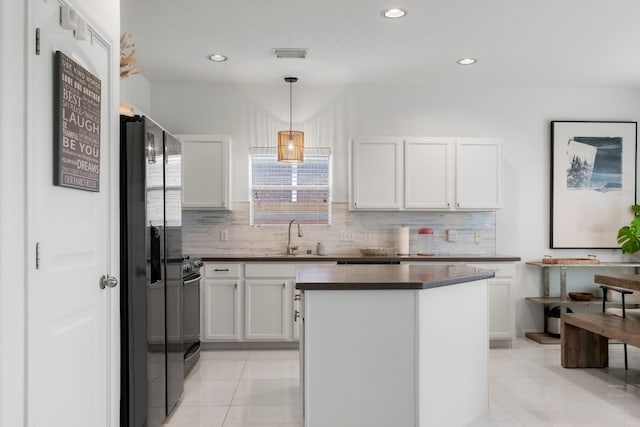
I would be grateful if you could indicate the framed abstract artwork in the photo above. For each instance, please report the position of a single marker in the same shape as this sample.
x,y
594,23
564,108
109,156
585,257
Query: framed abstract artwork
x,y
593,182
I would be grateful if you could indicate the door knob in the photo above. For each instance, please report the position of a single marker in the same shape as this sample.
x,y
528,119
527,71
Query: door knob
x,y
108,281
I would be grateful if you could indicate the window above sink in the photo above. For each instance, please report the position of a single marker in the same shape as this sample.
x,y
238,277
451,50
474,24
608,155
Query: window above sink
x,y
284,191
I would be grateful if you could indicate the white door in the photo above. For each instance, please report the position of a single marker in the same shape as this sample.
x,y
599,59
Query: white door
x,y
68,312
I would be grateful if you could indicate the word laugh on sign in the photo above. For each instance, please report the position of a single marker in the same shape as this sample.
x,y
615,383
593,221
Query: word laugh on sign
x,y
77,126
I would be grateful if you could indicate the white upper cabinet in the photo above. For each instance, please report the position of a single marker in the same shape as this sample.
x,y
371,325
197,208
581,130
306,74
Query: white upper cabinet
x,y
206,172
426,174
478,173
376,173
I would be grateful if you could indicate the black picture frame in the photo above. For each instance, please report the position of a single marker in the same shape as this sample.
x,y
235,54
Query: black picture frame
x,y
593,182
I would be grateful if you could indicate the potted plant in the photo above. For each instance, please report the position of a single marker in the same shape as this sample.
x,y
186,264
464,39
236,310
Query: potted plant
x,y
629,235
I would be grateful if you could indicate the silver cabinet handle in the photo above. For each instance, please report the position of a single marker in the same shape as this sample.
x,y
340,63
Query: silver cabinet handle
x,y
107,281
297,297
296,315
221,269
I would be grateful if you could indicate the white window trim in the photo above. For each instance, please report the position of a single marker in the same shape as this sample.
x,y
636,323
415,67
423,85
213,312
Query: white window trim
x,y
273,151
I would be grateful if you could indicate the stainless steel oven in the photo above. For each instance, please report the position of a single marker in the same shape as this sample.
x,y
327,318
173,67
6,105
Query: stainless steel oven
x,y
191,312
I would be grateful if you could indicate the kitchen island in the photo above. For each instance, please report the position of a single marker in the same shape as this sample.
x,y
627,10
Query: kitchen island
x,y
394,345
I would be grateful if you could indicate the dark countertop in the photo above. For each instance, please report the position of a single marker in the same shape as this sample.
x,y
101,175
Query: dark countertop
x,y
377,277
355,258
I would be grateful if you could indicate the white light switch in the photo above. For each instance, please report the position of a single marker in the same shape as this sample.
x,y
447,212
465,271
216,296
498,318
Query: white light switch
x,y
224,235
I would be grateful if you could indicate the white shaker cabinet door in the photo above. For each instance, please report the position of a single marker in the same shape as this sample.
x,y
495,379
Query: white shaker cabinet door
x,y
478,173
221,310
429,173
206,172
501,316
267,309
377,173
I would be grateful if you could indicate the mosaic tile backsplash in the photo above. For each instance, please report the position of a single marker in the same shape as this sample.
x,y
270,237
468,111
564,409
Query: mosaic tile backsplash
x,y
202,231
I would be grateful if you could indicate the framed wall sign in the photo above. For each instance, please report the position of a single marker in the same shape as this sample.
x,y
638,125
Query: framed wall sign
x,y
77,103
593,182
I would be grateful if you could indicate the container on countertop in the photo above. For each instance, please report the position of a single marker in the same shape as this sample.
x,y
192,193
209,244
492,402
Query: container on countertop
x,y
425,241
320,249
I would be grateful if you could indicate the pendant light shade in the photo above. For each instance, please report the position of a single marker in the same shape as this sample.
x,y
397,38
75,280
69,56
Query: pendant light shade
x,y
291,142
290,146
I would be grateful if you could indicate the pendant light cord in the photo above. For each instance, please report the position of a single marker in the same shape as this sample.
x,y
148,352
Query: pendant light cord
x,y
290,110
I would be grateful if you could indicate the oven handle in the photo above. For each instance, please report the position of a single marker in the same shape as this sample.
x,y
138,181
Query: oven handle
x,y
194,280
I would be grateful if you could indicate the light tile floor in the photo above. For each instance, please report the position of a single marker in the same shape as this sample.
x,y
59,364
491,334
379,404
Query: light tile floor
x,y
527,387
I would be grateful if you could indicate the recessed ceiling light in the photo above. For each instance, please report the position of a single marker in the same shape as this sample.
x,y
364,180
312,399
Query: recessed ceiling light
x,y
393,13
216,57
467,61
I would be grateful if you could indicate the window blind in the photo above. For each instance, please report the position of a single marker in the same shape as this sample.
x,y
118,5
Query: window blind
x,y
281,192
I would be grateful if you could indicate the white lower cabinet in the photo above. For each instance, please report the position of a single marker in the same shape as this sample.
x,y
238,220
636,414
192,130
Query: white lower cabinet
x,y
249,302
266,313
500,319
268,301
222,314
220,302
501,303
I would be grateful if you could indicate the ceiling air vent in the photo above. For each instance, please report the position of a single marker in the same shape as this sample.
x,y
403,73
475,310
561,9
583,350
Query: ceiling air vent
x,y
290,53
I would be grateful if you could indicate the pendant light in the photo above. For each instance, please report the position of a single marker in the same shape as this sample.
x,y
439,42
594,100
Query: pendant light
x,y
291,142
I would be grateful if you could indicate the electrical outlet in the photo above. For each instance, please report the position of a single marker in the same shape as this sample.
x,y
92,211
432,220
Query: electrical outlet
x,y
346,236
452,235
224,235
367,236
477,237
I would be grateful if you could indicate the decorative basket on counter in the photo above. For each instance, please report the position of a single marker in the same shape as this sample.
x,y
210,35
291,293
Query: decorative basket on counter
x,y
375,251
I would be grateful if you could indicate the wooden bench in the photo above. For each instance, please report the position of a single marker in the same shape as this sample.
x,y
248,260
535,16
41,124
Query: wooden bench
x,y
585,338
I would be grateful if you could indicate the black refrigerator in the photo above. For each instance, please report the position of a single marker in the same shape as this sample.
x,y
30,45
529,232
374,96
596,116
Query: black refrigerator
x,y
152,357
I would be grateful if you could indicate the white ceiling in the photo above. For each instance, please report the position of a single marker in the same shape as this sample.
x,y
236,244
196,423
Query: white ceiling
x,y
567,43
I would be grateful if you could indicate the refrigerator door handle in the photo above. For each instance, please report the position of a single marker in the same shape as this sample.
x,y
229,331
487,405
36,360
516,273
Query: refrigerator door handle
x,y
107,281
156,285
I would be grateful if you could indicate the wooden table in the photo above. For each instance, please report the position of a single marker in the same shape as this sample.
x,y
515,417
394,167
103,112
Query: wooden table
x,y
585,336
627,281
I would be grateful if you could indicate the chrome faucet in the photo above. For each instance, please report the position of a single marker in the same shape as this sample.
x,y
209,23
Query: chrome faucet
x,y
290,248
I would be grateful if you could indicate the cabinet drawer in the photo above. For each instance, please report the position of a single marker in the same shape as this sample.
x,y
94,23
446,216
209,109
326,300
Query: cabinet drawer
x,y
270,270
221,270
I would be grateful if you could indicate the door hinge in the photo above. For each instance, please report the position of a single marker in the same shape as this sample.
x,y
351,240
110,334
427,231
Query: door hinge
x,y
37,255
37,41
